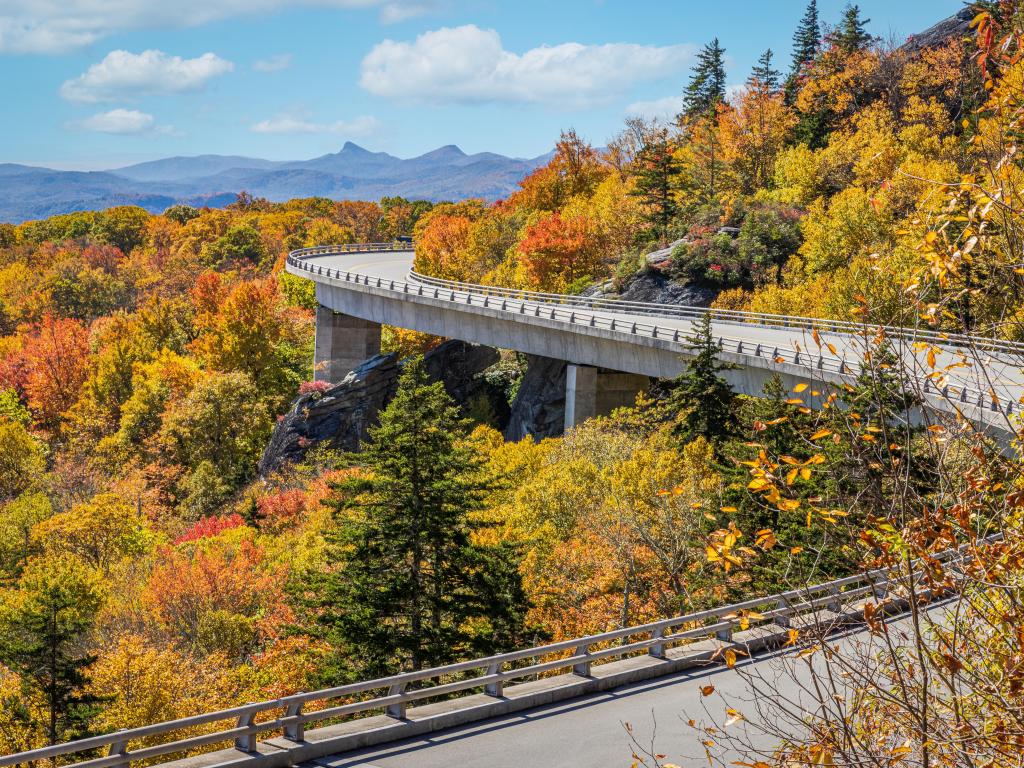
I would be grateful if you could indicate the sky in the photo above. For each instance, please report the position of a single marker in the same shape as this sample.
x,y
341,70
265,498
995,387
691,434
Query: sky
x,y
93,85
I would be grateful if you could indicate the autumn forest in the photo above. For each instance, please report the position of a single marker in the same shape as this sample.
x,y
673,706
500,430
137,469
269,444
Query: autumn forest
x,y
149,571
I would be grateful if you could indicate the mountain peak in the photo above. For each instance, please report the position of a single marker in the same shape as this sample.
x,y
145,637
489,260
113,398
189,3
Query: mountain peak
x,y
351,147
449,151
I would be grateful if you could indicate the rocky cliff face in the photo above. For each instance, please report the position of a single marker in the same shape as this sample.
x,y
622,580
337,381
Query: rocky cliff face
x,y
342,415
539,405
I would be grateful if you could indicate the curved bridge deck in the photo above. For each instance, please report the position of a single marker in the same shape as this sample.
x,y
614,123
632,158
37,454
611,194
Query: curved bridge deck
x,y
979,378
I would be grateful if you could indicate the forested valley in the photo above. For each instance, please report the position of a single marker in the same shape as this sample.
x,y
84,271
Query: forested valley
x,y
148,572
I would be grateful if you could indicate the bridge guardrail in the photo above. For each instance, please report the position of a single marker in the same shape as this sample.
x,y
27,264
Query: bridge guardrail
x,y
286,716
552,307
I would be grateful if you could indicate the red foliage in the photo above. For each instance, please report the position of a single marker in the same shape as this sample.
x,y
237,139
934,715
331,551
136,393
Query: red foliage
x,y
314,386
557,251
50,368
282,508
209,527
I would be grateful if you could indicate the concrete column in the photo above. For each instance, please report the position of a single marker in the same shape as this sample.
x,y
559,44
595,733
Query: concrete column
x,y
342,343
591,392
580,394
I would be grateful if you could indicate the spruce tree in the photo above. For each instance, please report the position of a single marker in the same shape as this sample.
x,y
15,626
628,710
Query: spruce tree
x,y
702,401
851,35
44,630
806,45
656,173
764,77
406,586
707,83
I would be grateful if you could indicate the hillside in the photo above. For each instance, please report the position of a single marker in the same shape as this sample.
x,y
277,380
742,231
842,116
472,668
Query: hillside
x,y
430,507
353,173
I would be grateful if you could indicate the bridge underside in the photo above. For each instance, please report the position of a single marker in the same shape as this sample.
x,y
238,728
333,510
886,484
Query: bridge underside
x,y
605,369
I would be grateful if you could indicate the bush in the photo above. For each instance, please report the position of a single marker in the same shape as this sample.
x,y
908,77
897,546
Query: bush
x,y
709,258
768,237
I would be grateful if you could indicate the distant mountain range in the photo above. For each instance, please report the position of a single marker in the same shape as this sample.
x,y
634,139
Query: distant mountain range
x,y
354,173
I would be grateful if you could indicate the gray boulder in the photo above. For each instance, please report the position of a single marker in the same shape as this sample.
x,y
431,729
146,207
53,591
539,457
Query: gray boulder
x,y
342,415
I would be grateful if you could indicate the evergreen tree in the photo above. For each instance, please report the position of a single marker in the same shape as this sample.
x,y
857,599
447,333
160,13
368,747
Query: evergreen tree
x,y
44,627
764,77
702,401
707,83
406,587
806,45
851,35
657,172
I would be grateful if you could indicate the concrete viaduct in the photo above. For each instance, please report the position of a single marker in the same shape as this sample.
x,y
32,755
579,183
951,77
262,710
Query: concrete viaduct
x,y
613,348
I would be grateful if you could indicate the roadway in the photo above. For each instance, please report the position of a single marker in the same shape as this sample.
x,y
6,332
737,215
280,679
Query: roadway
x,y
590,732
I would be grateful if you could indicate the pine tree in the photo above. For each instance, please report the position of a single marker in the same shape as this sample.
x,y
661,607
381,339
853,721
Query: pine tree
x,y
702,401
657,172
851,35
44,630
406,587
707,83
764,78
806,45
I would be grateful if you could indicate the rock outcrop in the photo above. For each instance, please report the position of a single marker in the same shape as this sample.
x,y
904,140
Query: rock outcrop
x,y
956,27
539,405
342,415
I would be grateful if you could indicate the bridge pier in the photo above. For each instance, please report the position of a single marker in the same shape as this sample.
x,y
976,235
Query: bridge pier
x,y
342,343
591,391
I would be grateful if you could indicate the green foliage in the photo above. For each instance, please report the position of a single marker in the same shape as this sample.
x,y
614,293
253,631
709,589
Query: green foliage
x,y
12,409
181,213
22,459
17,519
44,633
806,42
706,89
702,403
239,246
407,587
764,76
123,227
768,237
218,430
656,182
851,35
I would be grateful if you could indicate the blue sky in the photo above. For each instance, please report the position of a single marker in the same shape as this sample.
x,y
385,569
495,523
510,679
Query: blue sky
x,y
96,85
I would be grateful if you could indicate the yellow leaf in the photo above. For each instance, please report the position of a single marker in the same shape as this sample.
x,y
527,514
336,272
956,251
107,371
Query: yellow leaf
x,y
730,657
800,388
820,434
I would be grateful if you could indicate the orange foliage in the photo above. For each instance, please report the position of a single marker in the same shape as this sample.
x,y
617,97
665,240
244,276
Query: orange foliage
x,y
557,251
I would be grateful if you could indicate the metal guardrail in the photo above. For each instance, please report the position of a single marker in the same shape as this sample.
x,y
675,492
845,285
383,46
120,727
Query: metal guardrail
x,y
287,716
564,308
676,310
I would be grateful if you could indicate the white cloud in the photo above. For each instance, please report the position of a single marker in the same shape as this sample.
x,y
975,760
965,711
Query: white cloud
x,y
273,63
119,121
358,126
52,26
469,65
664,109
123,75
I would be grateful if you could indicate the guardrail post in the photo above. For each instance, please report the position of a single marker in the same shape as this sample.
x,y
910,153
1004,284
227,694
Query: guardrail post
x,y
294,731
725,635
582,668
396,710
783,604
836,605
658,649
118,747
496,688
246,742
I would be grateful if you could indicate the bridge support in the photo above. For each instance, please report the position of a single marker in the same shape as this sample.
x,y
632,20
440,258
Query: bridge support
x,y
342,343
591,392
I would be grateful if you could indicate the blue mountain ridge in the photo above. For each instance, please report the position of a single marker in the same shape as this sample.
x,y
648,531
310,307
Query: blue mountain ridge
x,y
353,173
